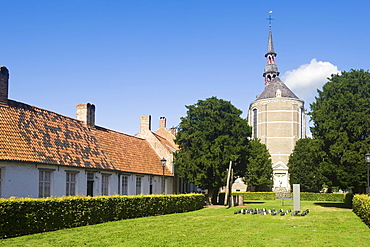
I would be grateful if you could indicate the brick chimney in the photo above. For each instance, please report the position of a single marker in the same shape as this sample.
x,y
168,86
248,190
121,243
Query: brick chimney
x,y
85,112
145,123
162,122
173,131
4,82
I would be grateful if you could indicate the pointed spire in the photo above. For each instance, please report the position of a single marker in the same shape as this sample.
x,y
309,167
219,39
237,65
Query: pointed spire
x,y
270,46
271,69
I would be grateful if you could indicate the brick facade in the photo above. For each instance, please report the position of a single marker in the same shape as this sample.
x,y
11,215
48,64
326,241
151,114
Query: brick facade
x,y
280,123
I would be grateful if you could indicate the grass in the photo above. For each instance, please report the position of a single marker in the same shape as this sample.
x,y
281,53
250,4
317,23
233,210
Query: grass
x,y
327,224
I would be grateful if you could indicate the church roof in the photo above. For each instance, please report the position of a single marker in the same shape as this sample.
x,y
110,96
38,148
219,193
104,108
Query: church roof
x,y
270,45
272,88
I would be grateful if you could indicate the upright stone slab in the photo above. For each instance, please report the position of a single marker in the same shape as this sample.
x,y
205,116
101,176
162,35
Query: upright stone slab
x,y
296,197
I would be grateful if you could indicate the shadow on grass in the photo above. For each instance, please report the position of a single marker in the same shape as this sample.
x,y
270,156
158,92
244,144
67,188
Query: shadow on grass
x,y
333,204
245,202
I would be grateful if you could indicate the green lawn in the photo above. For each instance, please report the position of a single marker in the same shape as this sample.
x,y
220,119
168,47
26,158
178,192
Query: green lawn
x,y
328,224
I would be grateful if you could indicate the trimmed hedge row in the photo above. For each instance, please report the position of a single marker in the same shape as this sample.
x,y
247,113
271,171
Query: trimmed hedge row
x,y
21,216
342,197
305,196
256,195
361,207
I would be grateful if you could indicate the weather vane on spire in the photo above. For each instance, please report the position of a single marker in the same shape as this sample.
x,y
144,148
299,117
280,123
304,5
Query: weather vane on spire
x,y
270,19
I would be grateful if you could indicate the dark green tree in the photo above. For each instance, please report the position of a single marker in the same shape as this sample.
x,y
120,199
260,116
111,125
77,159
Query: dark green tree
x,y
341,121
210,136
305,165
259,167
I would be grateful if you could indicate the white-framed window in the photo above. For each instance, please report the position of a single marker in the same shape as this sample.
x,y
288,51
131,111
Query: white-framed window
x,y
125,185
138,185
301,119
104,184
71,183
44,183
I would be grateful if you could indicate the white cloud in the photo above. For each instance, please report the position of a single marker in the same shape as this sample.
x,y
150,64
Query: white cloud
x,y
305,80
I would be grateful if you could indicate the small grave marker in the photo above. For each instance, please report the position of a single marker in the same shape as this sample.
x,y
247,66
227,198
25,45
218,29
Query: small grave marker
x,y
296,197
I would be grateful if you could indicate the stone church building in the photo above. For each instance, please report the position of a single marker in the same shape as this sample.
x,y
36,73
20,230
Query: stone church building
x,y
278,119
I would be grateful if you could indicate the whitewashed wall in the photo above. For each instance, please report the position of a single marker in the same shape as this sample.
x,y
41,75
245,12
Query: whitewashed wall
x,y
145,184
22,180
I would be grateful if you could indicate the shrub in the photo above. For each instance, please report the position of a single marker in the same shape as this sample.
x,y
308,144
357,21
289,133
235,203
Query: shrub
x,y
361,207
256,195
343,197
21,216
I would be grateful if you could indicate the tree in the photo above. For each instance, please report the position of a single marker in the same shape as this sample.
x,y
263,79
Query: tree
x,y
259,167
210,136
305,165
341,121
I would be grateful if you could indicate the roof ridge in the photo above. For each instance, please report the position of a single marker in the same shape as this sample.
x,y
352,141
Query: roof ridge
x,y
118,132
36,107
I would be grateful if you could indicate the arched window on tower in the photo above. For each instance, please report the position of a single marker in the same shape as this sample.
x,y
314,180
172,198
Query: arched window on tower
x,y
301,119
255,123
270,59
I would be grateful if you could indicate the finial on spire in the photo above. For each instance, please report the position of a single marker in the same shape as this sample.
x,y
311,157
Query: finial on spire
x,y
270,19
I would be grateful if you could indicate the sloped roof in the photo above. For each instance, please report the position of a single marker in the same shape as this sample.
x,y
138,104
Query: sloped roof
x,y
129,153
163,132
31,134
273,86
166,143
270,45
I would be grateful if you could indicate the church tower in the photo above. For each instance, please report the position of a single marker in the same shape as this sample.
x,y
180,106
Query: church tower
x,y
278,119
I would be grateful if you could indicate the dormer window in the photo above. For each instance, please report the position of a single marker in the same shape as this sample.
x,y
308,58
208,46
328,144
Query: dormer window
x,y
278,93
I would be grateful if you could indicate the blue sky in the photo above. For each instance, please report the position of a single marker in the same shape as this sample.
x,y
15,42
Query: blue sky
x,y
139,57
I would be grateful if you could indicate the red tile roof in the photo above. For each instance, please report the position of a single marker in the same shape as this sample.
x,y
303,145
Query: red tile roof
x,y
31,134
129,153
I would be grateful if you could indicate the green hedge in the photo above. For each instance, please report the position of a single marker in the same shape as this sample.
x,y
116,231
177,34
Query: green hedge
x,y
21,216
361,207
305,196
342,197
256,195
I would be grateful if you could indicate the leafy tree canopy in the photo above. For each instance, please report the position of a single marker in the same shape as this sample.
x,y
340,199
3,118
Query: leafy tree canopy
x,y
341,116
305,165
259,167
212,134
